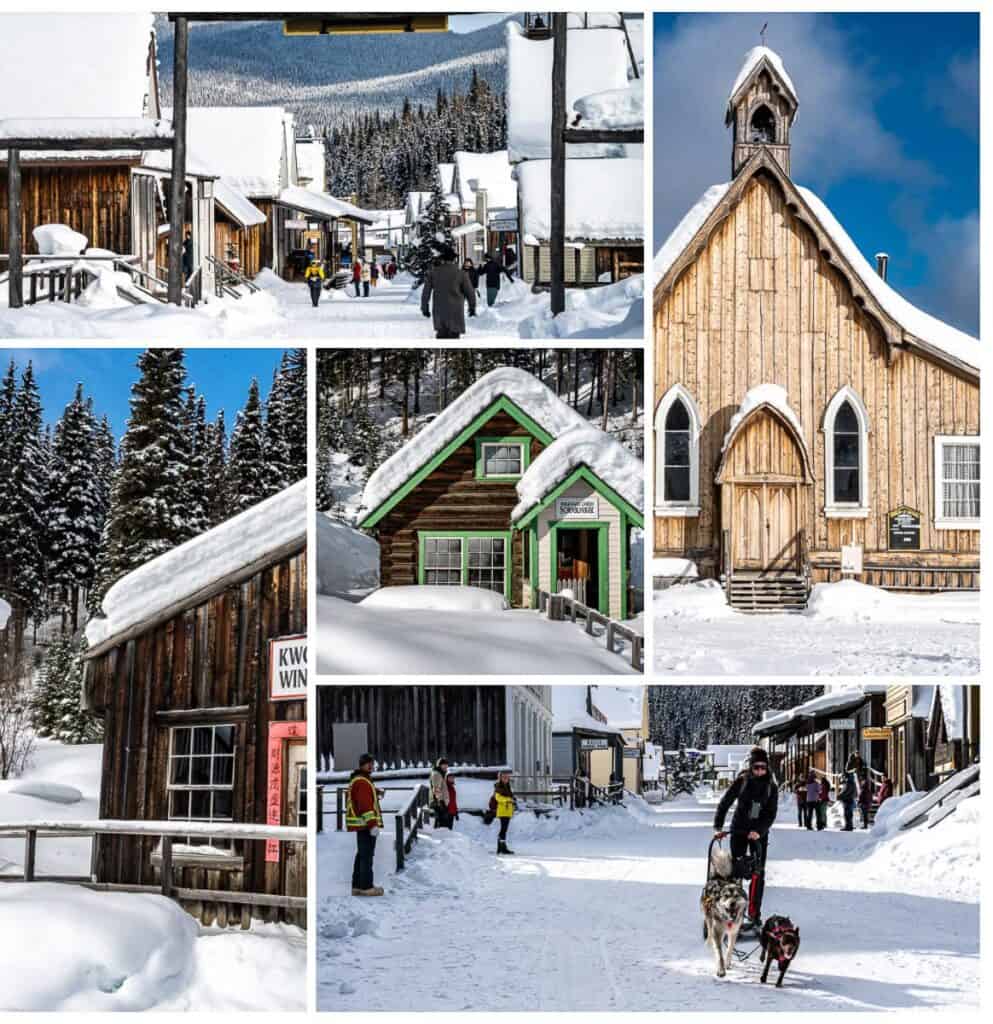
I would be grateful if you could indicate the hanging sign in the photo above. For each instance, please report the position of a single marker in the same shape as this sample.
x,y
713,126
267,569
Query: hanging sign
x,y
288,668
577,508
876,732
632,752
295,225
588,743
841,723
904,529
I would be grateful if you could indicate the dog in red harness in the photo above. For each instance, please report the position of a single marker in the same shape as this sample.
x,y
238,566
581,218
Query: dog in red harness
x,y
780,941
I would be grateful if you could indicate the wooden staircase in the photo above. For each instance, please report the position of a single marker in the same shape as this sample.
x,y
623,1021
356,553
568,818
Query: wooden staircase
x,y
785,592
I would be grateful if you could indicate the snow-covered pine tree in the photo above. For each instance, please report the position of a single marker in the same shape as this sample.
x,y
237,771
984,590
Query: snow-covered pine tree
x,y
433,228
56,698
277,453
218,489
148,510
294,372
198,483
247,465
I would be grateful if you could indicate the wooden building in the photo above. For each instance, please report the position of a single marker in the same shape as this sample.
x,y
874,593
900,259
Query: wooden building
x,y
584,741
810,423
485,193
198,670
493,494
410,727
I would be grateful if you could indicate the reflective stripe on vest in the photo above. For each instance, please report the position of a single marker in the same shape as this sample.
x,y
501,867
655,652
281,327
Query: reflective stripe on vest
x,y
355,820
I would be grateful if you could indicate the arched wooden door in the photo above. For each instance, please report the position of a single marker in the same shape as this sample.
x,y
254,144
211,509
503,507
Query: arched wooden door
x,y
764,476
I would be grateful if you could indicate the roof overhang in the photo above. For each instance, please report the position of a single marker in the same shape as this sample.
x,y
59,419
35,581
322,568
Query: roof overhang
x,y
585,474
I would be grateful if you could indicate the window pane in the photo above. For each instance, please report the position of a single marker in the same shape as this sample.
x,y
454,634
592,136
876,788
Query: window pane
x,y
677,448
845,420
180,741
502,459
200,804
200,773
180,774
846,450
179,804
224,739
223,771
677,418
846,485
202,737
677,483
223,804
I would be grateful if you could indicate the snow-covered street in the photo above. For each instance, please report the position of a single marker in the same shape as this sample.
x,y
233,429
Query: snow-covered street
x,y
283,310
599,911
847,629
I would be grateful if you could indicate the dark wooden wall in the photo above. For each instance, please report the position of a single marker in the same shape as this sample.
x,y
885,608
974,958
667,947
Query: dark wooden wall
x,y
466,724
211,662
92,199
247,243
451,498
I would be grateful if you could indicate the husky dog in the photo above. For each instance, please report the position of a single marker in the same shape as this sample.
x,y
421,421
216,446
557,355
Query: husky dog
x,y
780,941
723,903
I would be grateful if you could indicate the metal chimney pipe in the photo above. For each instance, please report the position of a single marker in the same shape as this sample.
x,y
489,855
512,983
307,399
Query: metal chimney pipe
x,y
882,259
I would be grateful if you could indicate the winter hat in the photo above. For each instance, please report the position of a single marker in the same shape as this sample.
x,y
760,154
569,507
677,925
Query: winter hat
x,y
758,756
366,759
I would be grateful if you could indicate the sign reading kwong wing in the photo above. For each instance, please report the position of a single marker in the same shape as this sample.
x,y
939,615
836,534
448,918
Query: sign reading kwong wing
x,y
288,668
577,508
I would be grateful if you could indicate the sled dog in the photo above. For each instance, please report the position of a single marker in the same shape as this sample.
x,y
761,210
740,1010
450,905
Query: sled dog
x,y
780,941
723,904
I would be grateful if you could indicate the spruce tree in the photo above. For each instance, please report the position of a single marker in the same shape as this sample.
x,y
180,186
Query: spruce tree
x,y
277,454
294,372
434,229
218,492
56,699
197,482
247,457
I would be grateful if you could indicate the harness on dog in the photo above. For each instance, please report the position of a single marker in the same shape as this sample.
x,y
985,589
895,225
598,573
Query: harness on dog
x,y
776,933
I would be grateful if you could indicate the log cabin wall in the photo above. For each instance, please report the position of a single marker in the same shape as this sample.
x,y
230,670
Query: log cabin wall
x,y
451,498
245,244
93,199
761,304
209,664
417,724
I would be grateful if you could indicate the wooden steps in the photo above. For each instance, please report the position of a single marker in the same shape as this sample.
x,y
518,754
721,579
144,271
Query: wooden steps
x,y
757,594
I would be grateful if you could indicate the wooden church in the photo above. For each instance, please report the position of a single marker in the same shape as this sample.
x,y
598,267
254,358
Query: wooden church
x,y
810,423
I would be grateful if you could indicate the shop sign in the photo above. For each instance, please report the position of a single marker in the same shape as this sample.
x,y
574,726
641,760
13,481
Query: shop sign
x,y
876,732
851,559
904,529
842,723
288,668
589,743
577,508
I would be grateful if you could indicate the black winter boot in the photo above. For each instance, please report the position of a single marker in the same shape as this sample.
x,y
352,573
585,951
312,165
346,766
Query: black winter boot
x,y
502,847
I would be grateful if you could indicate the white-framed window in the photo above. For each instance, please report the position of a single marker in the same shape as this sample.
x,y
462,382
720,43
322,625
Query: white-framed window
x,y
502,458
487,563
677,454
956,481
201,774
846,456
443,561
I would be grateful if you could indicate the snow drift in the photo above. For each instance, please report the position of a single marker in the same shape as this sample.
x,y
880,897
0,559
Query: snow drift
x,y
347,560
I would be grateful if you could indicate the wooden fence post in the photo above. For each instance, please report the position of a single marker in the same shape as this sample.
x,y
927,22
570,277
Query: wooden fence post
x,y
166,865
30,845
399,841
339,810
555,608
320,808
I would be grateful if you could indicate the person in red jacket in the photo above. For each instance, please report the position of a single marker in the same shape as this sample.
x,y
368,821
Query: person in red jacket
x,y
453,801
885,790
357,277
365,819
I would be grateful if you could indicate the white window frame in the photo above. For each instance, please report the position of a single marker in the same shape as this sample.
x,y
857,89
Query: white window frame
x,y
664,507
941,521
437,568
519,445
211,787
846,509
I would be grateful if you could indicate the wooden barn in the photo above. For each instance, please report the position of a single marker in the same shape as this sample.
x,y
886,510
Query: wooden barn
x,y
198,670
810,423
410,727
511,490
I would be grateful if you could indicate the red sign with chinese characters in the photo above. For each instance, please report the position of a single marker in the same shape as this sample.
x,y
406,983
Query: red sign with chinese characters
x,y
279,734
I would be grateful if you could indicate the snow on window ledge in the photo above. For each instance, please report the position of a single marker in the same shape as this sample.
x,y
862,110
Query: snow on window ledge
x,y
846,511
677,511
957,524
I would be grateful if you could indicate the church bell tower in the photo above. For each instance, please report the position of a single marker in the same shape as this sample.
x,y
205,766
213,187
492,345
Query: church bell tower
x,y
761,109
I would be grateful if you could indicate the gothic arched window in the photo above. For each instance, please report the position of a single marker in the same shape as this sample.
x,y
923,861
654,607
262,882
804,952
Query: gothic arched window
x,y
763,126
677,469
846,428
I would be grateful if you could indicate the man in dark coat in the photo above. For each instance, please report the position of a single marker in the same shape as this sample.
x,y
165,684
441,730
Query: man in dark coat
x,y
451,288
187,257
757,797
492,269
848,795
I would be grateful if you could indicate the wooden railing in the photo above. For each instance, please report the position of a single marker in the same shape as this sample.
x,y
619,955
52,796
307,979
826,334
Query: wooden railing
x,y
727,563
228,281
167,831
803,557
558,606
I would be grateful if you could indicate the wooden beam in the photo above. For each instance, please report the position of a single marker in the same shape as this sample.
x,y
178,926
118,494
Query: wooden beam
x,y
15,263
575,136
72,145
557,186
177,183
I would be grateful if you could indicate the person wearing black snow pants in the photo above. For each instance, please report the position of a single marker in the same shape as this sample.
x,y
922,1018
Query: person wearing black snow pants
x,y
756,798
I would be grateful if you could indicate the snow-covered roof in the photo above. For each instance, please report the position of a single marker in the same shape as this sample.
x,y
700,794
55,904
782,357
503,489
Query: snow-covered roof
x,y
755,56
491,171
952,698
322,205
922,699
310,163
727,755
241,209
528,393
763,394
75,65
614,108
596,61
5,611
195,566
582,446
603,199
834,701
415,202
447,174
244,145
622,705
927,329
60,129
569,712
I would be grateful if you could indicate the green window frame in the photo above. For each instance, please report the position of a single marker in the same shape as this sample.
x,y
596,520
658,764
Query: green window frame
x,y
465,536
522,442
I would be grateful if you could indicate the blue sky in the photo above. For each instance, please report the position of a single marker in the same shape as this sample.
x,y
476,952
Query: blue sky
x,y
221,375
887,133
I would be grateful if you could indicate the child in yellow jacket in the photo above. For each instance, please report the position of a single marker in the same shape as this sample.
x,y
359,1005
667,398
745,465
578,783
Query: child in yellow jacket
x,y
502,805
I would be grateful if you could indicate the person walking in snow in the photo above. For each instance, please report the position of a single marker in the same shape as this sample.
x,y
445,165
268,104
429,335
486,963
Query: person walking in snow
x,y
187,257
314,276
374,273
473,271
450,287
812,796
365,819
865,800
357,278
366,274
391,270
453,800
800,792
823,802
848,796
502,805
438,786
756,798
885,790
492,269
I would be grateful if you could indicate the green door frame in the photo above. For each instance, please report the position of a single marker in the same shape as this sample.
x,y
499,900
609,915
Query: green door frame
x,y
602,541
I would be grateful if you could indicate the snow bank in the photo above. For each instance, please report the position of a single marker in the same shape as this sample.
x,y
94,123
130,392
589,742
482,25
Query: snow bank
x,y
763,394
437,599
703,601
753,58
52,792
684,232
613,109
597,61
603,199
347,560
525,391
586,446
851,601
610,311
5,611
202,561
675,567
59,240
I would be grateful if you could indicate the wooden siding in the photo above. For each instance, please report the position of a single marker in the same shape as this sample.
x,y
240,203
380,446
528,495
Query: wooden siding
x,y
451,498
411,725
214,657
245,245
761,304
92,199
